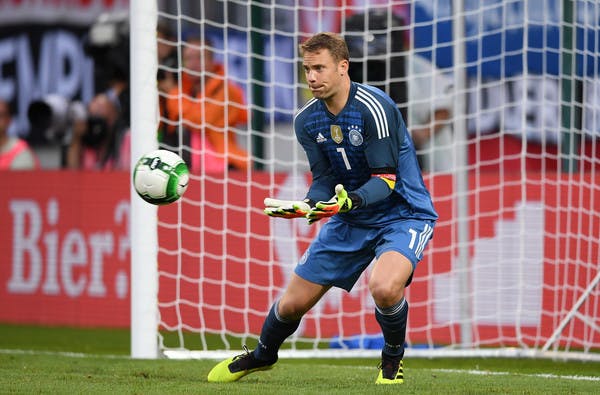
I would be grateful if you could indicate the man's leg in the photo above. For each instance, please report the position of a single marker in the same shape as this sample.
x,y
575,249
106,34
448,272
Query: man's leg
x,y
388,279
283,320
285,315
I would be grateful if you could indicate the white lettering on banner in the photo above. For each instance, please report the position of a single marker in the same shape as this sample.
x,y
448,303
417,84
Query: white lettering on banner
x,y
102,244
51,286
73,254
121,280
501,104
7,55
537,96
25,244
499,14
591,107
73,265
60,48
62,68
498,271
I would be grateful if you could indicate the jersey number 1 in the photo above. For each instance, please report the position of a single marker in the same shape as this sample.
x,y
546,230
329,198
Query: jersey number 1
x,y
344,157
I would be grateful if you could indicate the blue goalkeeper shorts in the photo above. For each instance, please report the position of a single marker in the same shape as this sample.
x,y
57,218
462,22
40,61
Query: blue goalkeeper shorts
x,y
341,252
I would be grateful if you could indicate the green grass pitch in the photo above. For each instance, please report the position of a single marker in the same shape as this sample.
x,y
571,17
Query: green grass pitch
x,y
63,360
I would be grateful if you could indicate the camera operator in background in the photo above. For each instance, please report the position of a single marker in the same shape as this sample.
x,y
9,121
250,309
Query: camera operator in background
x,y
208,106
107,43
52,120
103,141
15,153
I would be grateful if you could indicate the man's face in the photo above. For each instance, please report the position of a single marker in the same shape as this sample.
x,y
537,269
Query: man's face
x,y
163,48
195,59
323,73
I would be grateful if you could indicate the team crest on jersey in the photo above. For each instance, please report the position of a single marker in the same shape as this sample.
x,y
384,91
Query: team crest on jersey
x,y
355,136
336,133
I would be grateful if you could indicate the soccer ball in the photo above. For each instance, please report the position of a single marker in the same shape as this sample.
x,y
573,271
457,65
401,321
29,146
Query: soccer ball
x,y
160,177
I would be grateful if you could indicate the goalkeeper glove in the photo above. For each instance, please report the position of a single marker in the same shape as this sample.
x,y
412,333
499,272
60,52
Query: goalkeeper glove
x,y
286,208
340,203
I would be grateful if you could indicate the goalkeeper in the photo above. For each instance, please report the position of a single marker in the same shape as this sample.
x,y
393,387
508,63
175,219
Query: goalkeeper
x,y
367,180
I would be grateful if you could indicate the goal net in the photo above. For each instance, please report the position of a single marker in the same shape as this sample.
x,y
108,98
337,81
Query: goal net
x,y
502,99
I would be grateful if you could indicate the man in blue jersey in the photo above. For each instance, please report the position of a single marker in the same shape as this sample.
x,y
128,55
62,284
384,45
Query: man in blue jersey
x,y
360,152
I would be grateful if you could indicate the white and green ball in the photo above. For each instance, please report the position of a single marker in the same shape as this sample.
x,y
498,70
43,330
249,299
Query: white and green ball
x,y
160,177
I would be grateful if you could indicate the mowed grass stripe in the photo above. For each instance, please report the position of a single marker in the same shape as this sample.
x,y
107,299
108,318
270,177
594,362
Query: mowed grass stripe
x,y
67,360
35,373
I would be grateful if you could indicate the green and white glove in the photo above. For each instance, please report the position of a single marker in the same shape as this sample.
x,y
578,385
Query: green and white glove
x,y
340,203
286,208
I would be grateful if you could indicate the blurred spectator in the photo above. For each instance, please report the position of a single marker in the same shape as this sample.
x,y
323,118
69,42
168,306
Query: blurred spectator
x,y
208,107
107,43
166,79
376,44
429,114
425,100
103,142
15,153
167,57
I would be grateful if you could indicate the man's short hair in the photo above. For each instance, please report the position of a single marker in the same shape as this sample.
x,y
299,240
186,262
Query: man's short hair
x,y
330,41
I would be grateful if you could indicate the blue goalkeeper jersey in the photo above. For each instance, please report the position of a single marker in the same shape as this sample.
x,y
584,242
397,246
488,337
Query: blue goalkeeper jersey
x,y
368,136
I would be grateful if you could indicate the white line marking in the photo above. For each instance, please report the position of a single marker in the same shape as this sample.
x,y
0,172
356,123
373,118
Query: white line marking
x,y
541,375
62,354
488,373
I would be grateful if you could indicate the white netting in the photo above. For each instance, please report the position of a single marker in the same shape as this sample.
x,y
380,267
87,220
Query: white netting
x,y
510,87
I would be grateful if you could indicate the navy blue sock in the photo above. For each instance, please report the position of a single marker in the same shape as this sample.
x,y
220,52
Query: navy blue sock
x,y
274,332
393,325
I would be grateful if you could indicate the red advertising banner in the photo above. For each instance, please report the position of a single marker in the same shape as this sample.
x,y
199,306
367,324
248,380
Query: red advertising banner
x,y
64,248
65,254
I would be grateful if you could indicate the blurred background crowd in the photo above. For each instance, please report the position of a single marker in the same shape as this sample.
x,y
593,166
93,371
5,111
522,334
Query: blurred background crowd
x,y
65,98
69,106
71,110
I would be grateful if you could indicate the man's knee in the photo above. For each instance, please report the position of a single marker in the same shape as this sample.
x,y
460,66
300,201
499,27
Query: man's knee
x,y
299,297
291,309
390,276
386,293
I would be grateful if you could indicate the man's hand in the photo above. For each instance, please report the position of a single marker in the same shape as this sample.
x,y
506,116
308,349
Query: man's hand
x,y
340,203
286,208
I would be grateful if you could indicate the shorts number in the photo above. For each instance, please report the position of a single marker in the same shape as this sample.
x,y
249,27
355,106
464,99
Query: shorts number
x,y
424,236
413,237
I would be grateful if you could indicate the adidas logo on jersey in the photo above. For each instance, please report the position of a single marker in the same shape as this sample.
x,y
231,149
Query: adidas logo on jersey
x,y
320,138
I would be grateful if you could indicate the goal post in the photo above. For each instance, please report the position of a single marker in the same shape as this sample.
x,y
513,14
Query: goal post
x,y
514,265
143,231
461,173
